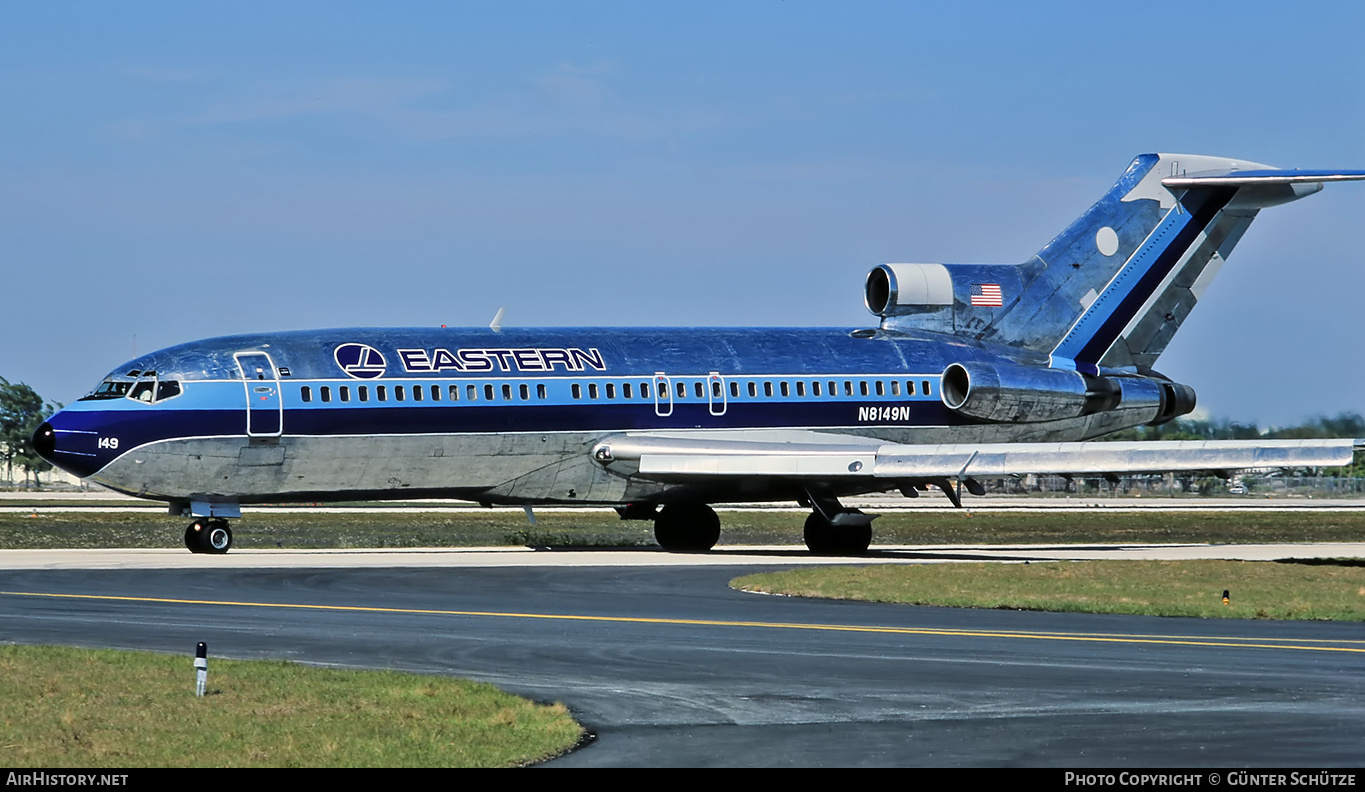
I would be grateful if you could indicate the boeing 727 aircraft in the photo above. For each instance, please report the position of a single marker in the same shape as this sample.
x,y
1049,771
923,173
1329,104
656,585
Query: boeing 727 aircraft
x,y
973,371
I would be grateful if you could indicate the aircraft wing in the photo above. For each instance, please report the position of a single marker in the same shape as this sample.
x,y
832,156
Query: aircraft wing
x,y
666,457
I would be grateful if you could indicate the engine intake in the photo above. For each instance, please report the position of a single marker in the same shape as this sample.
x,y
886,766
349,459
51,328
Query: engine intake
x,y
897,289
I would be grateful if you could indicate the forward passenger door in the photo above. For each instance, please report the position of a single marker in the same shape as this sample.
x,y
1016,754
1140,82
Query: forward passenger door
x,y
264,407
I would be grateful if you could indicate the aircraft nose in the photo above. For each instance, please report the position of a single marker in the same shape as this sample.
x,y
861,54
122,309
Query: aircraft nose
x,y
45,442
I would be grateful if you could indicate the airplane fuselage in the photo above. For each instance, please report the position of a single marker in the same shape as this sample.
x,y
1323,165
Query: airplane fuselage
x,y
500,417
974,371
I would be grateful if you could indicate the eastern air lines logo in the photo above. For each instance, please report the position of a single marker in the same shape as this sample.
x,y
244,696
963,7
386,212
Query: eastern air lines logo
x,y
361,361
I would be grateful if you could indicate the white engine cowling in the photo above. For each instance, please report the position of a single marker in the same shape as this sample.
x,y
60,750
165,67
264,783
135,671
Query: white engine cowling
x,y
897,289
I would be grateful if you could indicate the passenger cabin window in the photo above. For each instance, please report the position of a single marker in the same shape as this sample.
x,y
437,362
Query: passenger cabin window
x,y
786,389
454,392
625,390
753,389
577,391
895,387
398,393
364,392
767,389
488,392
472,392
525,392
925,384
306,393
435,392
800,388
416,392
326,393
881,388
611,390
644,390
592,390
380,393
540,391
682,391
734,389
862,387
345,393
506,392
698,389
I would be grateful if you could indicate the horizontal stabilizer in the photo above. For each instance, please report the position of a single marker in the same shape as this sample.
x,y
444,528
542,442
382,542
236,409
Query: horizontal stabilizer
x,y
1239,178
824,456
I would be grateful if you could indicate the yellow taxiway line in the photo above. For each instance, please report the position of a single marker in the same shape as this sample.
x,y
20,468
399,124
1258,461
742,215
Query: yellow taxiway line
x,y
1306,644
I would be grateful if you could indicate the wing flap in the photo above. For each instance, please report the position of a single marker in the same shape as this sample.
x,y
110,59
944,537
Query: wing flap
x,y
1012,459
824,456
789,465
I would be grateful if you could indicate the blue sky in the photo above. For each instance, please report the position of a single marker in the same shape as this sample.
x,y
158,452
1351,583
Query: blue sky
x,y
176,171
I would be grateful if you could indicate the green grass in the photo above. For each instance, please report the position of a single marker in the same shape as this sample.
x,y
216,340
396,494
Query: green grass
x,y
264,528
63,707
1333,590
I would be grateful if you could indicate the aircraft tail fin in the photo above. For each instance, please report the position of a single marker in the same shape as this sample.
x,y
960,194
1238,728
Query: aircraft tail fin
x,y
1111,290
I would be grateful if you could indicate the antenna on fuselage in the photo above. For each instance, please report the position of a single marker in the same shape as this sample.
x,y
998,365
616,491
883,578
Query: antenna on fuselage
x,y
496,324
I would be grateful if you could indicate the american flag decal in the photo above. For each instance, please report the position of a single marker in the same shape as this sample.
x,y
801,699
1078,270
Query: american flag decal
x,y
987,294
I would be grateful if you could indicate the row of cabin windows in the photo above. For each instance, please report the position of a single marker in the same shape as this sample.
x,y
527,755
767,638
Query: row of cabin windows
x,y
785,387
419,393
627,391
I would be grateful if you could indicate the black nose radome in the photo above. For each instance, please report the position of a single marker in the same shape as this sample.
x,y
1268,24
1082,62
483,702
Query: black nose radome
x,y
45,441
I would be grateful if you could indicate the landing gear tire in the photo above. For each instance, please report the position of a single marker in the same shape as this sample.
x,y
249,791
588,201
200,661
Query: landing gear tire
x,y
687,528
208,536
822,538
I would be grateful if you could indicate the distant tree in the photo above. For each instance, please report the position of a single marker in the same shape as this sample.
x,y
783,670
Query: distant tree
x,y
22,411
1347,424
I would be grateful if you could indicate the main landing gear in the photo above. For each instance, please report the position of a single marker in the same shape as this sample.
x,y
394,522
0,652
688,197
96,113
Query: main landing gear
x,y
826,538
687,527
208,536
832,529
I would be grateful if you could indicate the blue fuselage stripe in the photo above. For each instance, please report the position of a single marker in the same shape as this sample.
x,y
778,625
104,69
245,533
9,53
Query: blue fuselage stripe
x,y
96,432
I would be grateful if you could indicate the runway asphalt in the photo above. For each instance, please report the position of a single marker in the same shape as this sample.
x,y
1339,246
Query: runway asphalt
x,y
667,666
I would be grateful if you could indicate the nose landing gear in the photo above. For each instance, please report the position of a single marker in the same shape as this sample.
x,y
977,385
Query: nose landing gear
x,y
208,536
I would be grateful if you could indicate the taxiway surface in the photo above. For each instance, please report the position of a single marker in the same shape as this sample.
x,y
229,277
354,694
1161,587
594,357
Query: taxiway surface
x,y
668,666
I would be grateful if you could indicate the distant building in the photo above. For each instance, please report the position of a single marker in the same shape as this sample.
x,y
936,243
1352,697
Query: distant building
x,y
13,478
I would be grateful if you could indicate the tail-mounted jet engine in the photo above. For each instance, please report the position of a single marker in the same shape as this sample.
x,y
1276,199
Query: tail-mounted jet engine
x,y
901,289
1013,393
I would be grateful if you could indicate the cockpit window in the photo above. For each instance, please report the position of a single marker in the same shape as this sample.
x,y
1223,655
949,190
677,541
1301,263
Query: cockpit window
x,y
151,391
148,388
108,390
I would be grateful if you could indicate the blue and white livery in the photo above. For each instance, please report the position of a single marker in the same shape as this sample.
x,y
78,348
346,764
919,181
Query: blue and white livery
x,y
973,371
